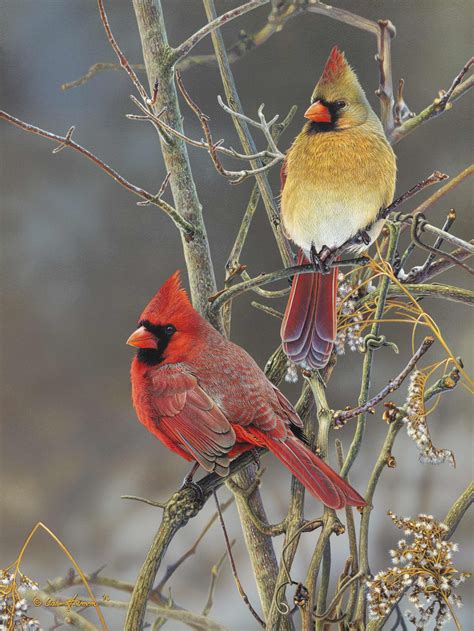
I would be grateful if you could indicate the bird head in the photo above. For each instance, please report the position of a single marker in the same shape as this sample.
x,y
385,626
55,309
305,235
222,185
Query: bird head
x,y
167,325
338,101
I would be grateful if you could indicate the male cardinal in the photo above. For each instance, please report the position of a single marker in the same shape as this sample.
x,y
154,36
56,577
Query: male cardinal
x,y
339,172
206,399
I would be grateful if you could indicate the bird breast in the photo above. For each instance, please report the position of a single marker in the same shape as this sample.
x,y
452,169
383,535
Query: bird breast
x,y
336,183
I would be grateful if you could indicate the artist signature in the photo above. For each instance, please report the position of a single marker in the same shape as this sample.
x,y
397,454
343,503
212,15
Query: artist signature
x,y
69,603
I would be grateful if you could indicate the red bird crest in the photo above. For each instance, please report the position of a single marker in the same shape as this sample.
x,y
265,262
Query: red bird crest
x,y
170,303
335,66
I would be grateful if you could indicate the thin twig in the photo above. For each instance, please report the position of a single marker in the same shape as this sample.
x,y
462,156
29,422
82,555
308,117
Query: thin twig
x,y
215,570
268,310
234,569
435,177
183,49
421,270
437,267
245,42
124,63
341,417
219,299
246,139
66,141
144,500
440,105
351,535
171,569
235,177
394,232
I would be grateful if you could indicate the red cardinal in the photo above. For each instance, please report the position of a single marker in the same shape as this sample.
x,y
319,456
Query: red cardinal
x,y
206,399
339,172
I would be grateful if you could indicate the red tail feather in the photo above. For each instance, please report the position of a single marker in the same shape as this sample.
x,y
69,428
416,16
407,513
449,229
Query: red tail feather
x,y
308,330
317,476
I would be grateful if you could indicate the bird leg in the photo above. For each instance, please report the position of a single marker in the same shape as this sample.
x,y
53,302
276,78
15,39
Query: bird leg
x,y
189,478
188,482
322,260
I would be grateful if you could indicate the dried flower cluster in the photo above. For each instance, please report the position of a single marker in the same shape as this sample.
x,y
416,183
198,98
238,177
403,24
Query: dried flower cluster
x,y
291,375
417,426
424,567
348,335
14,608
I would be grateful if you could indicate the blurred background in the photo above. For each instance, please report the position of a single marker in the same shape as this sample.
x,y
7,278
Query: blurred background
x,y
80,260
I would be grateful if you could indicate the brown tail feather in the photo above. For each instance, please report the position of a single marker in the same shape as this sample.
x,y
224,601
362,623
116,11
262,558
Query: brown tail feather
x,y
308,330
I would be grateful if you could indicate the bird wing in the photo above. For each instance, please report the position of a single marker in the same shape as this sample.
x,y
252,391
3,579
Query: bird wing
x,y
189,416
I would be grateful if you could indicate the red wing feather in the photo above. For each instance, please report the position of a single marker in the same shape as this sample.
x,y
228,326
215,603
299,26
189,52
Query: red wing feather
x,y
184,412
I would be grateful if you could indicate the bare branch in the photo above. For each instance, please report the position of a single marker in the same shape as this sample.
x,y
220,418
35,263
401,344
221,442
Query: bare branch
x,y
438,266
235,176
440,105
214,576
194,620
234,569
96,69
276,20
457,510
183,49
340,418
121,57
171,569
435,177
66,141
219,299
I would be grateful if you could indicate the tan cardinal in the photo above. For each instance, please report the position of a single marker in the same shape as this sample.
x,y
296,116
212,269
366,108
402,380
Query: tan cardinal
x,y
339,172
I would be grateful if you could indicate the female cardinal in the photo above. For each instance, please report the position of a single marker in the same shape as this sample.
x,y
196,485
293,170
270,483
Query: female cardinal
x,y
339,172
206,399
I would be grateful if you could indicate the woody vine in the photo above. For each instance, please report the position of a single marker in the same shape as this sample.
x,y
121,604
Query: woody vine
x,y
379,288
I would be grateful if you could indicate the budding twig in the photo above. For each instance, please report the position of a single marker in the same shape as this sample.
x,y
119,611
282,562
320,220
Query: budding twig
x,y
340,417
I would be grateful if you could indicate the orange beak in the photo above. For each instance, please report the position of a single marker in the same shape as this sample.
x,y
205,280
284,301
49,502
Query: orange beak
x,y
318,113
142,338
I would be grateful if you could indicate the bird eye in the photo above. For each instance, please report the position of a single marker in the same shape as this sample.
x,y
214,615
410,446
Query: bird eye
x,y
340,104
169,329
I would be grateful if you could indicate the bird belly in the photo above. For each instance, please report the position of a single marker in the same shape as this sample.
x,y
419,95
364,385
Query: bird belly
x,y
329,219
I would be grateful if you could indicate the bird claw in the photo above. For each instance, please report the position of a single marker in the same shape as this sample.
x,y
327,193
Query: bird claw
x,y
188,483
362,237
322,260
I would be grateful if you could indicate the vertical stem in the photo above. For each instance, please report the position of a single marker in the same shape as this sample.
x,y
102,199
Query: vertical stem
x,y
259,546
394,231
245,136
294,520
368,360
323,590
157,56
324,425
351,533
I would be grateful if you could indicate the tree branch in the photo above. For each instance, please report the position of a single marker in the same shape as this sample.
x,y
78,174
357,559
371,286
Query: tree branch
x,y
123,61
370,348
440,105
183,49
340,417
185,227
